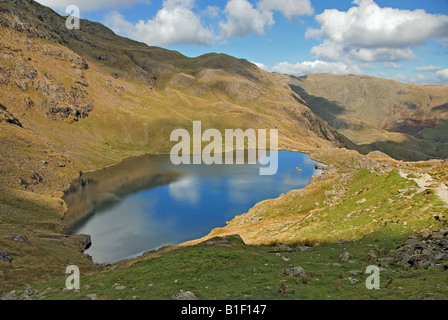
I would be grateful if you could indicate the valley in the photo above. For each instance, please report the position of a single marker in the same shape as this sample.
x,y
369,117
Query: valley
x,y
74,102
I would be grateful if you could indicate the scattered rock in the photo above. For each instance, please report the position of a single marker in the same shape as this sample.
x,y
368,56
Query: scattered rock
x,y
184,295
352,280
296,271
22,238
371,257
92,296
36,176
11,296
120,288
361,201
335,265
355,272
384,262
344,257
4,256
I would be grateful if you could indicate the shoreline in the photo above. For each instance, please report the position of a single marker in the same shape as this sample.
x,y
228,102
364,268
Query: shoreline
x,y
319,167
65,227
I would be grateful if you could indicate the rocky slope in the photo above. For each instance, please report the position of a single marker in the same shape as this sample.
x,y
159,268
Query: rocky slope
x,y
406,121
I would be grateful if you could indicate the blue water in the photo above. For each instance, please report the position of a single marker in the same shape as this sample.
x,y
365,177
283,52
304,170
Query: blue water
x,y
199,199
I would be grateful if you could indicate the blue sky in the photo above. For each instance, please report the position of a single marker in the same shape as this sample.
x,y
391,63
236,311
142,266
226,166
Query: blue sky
x,y
402,40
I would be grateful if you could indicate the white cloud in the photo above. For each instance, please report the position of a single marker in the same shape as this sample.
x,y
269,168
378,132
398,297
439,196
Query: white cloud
x,y
243,18
371,33
173,24
318,66
421,77
185,189
443,74
428,68
392,65
289,8
330,50
88,5
261,65
212,12
381,54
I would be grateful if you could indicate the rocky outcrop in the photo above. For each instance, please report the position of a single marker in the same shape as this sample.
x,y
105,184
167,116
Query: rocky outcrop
x,y
424,253
7,117
294,272
16,69
223,241
65,55
58,104
83,241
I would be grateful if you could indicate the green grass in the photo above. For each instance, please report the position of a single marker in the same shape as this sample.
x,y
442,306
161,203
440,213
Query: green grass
x,y
255,272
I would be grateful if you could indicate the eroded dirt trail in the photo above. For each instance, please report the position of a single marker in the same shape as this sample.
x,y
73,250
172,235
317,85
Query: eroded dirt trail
x,y
425,181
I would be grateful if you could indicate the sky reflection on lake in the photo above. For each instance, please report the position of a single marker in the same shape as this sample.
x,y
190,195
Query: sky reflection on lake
x,y
172,204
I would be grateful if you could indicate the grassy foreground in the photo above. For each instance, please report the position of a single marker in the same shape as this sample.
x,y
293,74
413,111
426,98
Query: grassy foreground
x,y
234,271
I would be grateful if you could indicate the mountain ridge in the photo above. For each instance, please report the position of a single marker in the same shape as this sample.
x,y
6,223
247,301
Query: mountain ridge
x,y
406,121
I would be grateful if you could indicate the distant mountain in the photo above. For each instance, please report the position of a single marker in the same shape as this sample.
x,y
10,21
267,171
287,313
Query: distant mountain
x,y
406,121
92,98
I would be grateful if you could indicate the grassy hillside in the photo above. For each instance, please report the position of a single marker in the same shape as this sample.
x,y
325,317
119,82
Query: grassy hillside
x,y
405,121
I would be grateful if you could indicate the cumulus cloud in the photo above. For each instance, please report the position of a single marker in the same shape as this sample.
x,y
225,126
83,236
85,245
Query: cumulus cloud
x,y
289,8
212,12
333,51
88,5
429,68
173,24
318,66
243,18
371,33
392,65
443,74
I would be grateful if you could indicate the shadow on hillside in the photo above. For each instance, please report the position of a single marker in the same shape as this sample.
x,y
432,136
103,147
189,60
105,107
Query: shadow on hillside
x,y
326,109
410,149
441,108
